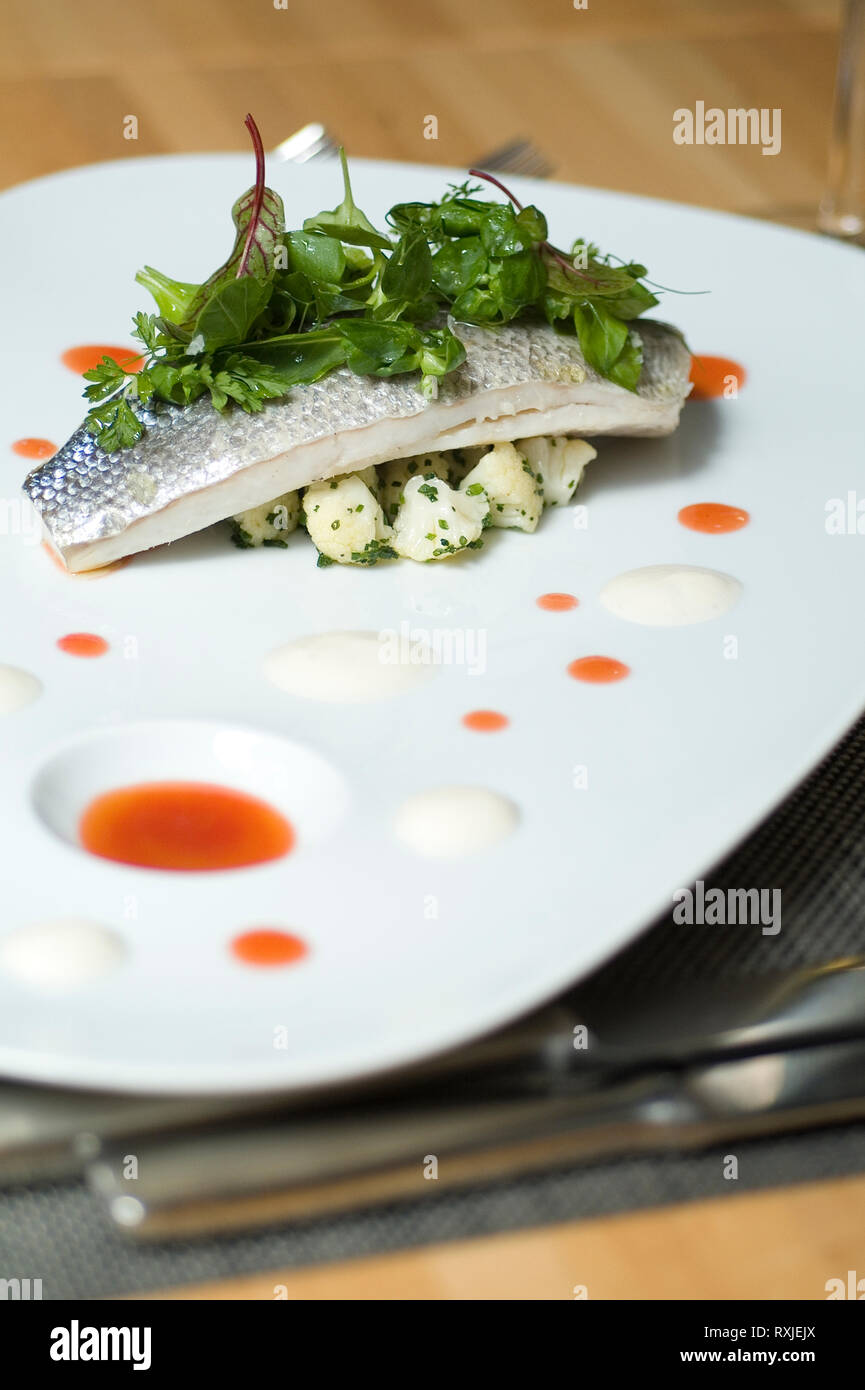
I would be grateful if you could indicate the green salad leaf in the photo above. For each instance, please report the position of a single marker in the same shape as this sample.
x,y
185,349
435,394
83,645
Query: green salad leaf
x,y
347,223
259,220
289,306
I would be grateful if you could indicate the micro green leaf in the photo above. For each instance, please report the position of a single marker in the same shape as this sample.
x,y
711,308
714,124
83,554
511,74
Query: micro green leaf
x,y
347,222
287,308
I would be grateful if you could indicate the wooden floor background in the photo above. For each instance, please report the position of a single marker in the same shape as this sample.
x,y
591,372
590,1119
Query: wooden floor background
x,y
595,88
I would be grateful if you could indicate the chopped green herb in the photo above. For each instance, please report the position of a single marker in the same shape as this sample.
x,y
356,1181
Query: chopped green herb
x,y
372,552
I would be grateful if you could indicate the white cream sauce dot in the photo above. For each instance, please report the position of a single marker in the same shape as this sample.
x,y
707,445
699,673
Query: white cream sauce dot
x,y
61,955
452,822
350,667
17,689
670,595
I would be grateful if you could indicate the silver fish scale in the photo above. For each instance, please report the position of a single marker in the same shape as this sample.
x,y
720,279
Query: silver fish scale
x,y
85,494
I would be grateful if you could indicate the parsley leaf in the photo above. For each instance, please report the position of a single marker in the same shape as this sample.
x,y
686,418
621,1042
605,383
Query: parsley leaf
x,y
115,425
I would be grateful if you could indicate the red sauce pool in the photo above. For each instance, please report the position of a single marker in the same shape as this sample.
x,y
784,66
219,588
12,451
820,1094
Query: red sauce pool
x,y
34,448
715,376
598,670
184,825
81,359
557,603
485,721
713,518
268,946
83,644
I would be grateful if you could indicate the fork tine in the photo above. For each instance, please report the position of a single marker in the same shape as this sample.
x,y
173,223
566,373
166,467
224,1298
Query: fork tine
x,y
530,161
520,156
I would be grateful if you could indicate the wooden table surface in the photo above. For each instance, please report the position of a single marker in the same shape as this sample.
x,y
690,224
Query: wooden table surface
x,y
595,88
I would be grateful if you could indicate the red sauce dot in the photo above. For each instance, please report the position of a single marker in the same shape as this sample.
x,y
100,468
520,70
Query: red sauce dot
x,y
83,644
34,448
714,518
81,359
485,721
184,825
268,946
558,603
598,670
715,376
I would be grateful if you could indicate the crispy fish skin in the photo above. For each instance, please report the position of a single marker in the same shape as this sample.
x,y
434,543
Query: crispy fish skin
x,y
194,465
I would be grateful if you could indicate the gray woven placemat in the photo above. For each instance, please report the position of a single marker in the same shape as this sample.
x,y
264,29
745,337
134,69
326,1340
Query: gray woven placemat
x,y
813,849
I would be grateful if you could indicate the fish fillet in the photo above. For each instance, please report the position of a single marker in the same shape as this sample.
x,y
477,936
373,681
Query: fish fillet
x,y
194,465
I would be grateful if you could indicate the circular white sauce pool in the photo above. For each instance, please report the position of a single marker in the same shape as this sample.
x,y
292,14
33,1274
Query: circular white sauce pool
x,y
17,689
350,667
451,822
61,955
670,595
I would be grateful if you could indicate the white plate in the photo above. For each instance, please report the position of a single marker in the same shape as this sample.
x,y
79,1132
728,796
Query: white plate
x,y
409,955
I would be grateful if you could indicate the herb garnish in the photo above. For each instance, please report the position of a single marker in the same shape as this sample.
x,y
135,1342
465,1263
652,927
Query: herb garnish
x,y
287,307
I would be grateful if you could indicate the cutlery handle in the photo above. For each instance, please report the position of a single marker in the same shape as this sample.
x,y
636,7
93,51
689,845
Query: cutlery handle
x,y
194,1184
48,1133
190,1185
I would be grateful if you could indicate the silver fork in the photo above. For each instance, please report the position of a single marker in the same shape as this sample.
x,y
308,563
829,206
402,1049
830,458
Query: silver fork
x,y
314,141
518,157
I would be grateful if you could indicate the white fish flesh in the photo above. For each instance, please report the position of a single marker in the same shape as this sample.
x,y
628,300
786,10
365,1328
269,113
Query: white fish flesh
x,y
194,466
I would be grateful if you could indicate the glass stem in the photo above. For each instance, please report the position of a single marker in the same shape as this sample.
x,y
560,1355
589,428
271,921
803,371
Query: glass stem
x,y
842,209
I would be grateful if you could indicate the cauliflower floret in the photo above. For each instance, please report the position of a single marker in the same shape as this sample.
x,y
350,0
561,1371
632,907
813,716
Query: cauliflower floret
x,y
269,524
368,476
434,521
463,460
558,465
509,483
345,521
395,475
